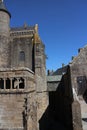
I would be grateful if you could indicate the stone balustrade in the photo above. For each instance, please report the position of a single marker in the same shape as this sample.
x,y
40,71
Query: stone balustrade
x,y
12,83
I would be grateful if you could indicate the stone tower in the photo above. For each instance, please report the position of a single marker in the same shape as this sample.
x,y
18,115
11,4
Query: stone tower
x,y
4,35
23,88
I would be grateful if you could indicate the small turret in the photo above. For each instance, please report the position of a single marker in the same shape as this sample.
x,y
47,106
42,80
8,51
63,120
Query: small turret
x,y
4,19
4,35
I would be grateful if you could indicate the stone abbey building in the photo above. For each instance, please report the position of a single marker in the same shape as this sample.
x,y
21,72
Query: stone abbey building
x,y
30,100
67,88
23,89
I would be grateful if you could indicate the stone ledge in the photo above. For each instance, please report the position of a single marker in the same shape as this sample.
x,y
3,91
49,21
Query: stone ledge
x,y
16,92
16,69
12,129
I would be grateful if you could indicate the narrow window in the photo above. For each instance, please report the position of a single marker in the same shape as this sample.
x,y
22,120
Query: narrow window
x,y
7,83
82,83
22,56
21,85
1,83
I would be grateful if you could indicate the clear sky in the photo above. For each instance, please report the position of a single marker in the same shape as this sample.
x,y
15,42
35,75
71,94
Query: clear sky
x,y
62,25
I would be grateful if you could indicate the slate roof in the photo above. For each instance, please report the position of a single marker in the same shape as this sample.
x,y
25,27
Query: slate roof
x,y
3,8
54,78
57,75
61,71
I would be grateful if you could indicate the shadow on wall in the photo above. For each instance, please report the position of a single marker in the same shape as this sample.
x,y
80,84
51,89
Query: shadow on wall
x,y
58,115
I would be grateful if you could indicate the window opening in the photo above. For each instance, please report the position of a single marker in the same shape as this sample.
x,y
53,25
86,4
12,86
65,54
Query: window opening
x,y
13,83
17,83
21,83
81,80
7,83
1,83
22,56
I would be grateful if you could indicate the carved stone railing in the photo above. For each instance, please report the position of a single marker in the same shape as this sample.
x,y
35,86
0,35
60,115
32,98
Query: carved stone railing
x,y
21,33
12,83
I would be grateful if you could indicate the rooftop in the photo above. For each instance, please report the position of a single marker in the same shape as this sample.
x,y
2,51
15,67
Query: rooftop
x,y
3,8
32,28
61,71
56,78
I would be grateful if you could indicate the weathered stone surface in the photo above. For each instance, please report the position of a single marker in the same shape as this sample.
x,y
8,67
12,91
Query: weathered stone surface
x,y
23,87
4,52
4,23
76,112
22,45
25,101
79,81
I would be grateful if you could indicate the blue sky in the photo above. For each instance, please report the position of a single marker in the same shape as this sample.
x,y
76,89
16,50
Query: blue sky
x,y
62,25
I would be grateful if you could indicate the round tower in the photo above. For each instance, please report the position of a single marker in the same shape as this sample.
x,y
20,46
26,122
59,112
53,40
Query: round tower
x,y
4,35
4,20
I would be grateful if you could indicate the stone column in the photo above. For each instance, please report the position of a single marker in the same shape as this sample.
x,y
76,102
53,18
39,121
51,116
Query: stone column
x,y
18,83
11,83
0,80
4,83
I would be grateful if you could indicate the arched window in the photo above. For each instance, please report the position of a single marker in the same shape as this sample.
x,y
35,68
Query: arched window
x,y
22,56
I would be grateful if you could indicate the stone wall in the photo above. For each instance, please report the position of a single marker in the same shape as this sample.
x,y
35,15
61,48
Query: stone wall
x,y
41,83
18,104
23,87
79,83
11,108
4,23
76,112
21,52
4,52
4,39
